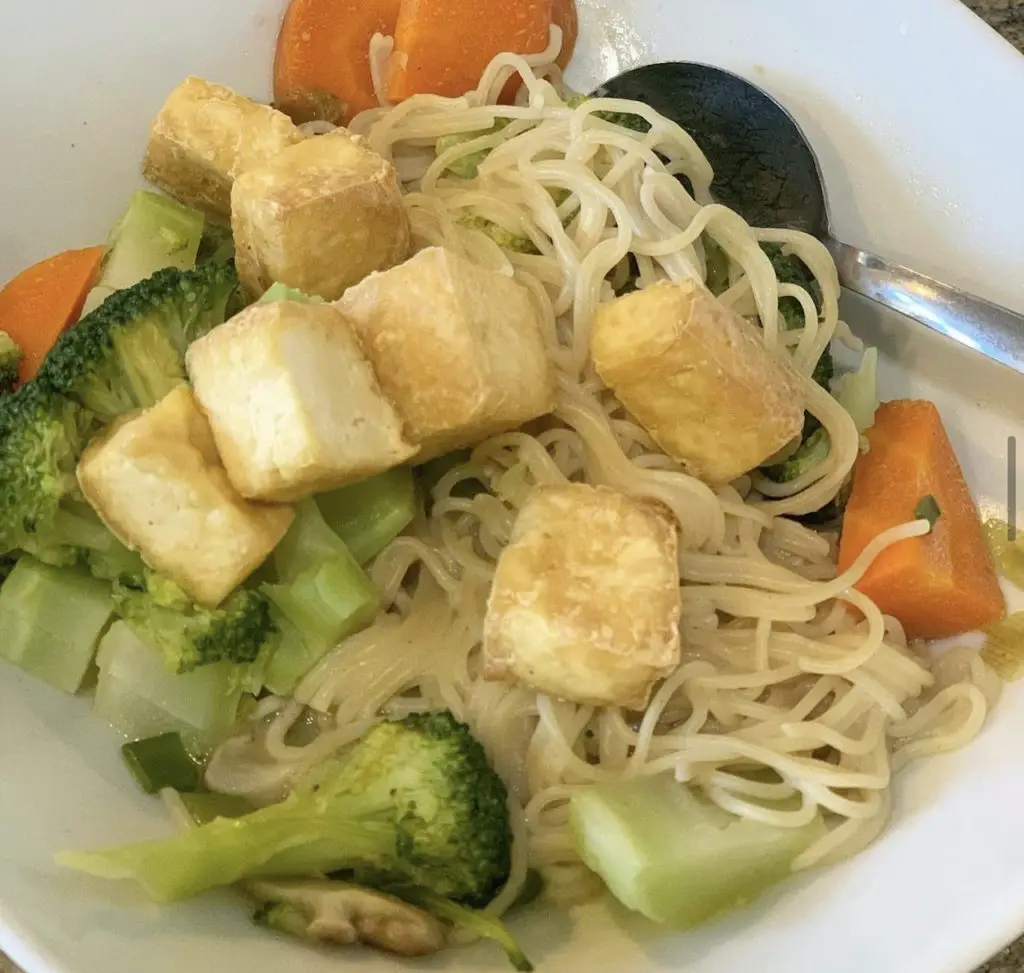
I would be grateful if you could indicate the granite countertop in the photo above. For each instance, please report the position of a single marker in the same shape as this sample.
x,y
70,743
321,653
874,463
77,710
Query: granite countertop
x,y
1006,16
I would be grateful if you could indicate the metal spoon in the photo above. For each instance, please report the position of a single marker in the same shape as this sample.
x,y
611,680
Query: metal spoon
x,y
766,170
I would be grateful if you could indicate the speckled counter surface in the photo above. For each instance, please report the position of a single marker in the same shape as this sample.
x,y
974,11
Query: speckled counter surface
x,y
1006,16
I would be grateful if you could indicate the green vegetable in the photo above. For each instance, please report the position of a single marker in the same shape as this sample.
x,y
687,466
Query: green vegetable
x,y
533,888
505,239
205,806
717,263
790,269
467,166
154,233
7,562
808,455
370,514
635,123
667,852
482,924
928,509
51,620
41,437
282,292
216,245
161,761
130,352
10,359
1007,552
188,634
412,802
140,697
857,392
322,592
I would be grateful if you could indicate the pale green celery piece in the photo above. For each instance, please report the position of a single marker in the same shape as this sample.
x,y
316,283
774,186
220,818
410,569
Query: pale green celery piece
x,y
155,232
323,593
140,697
282,292
51,620
857,392
293,656
667,852
370,514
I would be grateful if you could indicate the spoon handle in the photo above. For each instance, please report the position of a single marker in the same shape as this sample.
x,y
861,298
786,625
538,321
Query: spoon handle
x,y
996,332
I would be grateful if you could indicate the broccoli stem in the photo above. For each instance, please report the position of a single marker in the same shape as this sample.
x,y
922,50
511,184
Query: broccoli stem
x,y
304,835
51,620
370,514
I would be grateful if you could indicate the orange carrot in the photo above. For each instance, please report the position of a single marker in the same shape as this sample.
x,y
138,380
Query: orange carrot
x,y
43,300
443,46
564,15
938,585
322,64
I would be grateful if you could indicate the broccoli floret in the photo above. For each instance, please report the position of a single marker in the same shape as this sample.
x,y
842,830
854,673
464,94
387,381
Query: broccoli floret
x,y
468,165
130,352
187,634
812,451
10,359
41,437
412,803
216,245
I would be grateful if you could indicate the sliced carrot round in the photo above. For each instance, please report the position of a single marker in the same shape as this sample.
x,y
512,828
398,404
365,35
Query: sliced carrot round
x,y
43,300
322,62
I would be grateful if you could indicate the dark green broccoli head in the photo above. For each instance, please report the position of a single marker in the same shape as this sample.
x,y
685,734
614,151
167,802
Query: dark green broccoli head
x,y
449,806
41,437
130,352
413,803
10,359
189,635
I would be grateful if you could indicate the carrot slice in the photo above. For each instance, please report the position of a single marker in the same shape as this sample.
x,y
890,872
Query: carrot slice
x,y
563,14
443,46
938,585
322,63
44,299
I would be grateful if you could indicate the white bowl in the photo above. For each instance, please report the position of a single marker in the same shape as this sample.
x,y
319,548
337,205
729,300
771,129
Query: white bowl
x,y
914,107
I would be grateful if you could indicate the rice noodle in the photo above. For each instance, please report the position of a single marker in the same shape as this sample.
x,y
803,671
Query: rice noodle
x,y
786,668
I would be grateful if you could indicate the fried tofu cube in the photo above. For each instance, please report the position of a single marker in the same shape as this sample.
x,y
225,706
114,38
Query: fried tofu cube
x,y
157,482
698,377
585,603
319,216
294,405
458,349
205,136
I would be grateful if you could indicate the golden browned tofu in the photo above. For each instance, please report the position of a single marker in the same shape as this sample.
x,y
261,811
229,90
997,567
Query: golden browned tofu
x,y
585,603
157,482
319,216
698,377
294,405
205,136
458,349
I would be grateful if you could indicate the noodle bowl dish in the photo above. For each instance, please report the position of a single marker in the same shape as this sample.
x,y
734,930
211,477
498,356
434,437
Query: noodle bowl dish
x,y
459,515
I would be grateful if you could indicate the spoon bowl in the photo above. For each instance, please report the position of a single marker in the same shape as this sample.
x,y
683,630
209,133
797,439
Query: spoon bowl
x,y
766,170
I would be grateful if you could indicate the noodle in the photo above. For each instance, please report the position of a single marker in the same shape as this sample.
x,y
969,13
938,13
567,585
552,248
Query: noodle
x,y
792,684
